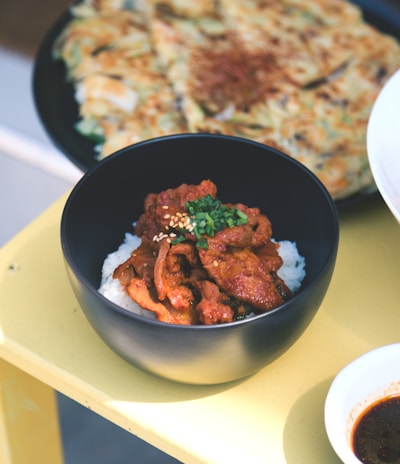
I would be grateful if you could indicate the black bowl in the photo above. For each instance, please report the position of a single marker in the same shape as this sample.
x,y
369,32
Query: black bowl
x,y
103,204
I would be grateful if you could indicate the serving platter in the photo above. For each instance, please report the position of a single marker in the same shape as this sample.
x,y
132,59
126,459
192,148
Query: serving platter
x,y
58,110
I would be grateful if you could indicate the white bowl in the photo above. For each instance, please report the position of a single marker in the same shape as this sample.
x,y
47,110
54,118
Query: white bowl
x,y
370,378
383,143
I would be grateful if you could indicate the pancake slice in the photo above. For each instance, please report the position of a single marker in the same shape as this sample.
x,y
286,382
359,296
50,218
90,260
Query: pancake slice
x,y
298,75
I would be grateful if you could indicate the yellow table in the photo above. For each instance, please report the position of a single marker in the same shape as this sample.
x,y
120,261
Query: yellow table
x,y
276,416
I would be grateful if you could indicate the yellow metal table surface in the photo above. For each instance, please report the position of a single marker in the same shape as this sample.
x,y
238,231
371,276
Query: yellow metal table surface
x,y
275,416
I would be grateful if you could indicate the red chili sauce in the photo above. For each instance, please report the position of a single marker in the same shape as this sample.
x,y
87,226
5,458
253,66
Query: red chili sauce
x,y
376,434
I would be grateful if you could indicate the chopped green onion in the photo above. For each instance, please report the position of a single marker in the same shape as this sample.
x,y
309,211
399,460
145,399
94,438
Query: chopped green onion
x,y
208,216
90,129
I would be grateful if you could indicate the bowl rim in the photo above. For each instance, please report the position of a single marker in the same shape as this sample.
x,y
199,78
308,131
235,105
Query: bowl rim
x,y
126,151
371,141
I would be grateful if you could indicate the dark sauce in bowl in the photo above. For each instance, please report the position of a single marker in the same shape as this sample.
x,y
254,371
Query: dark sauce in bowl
x,y
376,434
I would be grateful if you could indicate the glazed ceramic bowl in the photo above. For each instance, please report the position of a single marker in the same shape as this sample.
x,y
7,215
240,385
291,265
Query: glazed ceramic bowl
x,y
105,202
368,379
383,143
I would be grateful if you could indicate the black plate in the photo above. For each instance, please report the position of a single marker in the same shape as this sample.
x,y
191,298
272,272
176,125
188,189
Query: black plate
x,y
58,111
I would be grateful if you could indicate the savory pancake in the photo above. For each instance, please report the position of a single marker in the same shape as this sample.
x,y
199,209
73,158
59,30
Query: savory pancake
x,y
299,75
123,95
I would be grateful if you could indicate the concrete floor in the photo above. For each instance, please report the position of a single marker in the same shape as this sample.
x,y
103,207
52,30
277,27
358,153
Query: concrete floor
x,y
89,439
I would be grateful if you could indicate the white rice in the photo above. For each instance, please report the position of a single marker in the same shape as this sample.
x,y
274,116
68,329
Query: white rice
x,y
292,272
111,288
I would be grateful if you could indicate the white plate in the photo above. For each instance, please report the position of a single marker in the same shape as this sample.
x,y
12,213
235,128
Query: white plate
x,y
383,143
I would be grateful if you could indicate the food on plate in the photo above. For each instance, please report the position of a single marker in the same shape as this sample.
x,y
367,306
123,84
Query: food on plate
x,y
123,95
196,260
299,76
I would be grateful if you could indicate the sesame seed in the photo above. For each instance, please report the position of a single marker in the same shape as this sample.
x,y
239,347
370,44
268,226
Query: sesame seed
x,y
167,216
165,207
159,237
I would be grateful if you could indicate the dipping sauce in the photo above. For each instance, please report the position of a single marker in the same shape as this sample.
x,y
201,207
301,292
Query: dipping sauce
x,y
376,434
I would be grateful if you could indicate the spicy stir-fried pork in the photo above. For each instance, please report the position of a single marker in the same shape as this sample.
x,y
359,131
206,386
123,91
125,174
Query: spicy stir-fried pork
x,y
201,261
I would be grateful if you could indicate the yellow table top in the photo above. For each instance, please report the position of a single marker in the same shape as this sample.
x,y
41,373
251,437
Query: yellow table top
x,y
274,416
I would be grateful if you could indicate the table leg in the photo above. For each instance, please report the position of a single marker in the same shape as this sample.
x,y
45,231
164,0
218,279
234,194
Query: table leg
x,y
29,427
